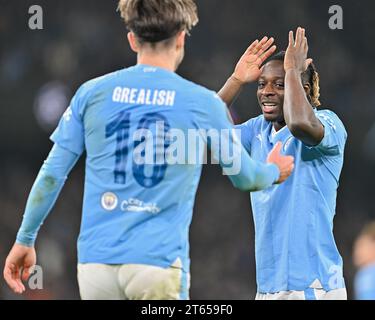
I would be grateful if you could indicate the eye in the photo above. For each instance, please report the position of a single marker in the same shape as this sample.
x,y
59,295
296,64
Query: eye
x,y
260,85
280,85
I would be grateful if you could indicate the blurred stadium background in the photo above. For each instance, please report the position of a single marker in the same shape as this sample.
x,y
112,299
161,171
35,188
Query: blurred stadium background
x,y
40,70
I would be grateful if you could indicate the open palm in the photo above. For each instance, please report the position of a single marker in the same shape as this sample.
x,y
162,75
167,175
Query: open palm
x,y
248,68
296,54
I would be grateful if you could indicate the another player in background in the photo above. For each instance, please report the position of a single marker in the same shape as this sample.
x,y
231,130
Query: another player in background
x,y
133,242
364,260
296,254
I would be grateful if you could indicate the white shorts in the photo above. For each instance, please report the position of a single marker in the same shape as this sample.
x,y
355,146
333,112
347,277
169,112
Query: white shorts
x,y
132,282
309,294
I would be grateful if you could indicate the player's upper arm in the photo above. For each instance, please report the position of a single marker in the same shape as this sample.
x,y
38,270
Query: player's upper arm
x,y
69,133
246,132
334,139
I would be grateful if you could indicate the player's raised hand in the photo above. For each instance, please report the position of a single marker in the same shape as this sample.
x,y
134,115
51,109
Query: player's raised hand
x,y
296,54
285,163
248,67
18,265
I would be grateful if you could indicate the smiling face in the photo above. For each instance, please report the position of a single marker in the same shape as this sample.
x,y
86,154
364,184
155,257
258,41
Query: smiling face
x,y
271,92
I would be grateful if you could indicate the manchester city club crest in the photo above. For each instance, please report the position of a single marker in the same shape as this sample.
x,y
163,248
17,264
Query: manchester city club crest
x,y
109,201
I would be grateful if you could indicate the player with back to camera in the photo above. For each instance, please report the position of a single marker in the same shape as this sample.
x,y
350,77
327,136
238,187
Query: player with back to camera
x,y
296,254
133,242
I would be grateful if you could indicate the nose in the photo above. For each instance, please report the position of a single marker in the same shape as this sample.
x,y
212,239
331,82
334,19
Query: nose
x,y
268,90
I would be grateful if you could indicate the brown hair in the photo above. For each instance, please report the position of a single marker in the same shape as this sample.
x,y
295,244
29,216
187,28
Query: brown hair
x,y
314,80
157,20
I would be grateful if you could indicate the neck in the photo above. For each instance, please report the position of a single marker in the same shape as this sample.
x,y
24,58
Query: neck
x,y
164,61
278,125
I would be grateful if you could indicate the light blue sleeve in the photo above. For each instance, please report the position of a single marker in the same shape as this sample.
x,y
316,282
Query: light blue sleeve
x,y
44,192
335,134
69,134
246,134
364,284
245,173
365,294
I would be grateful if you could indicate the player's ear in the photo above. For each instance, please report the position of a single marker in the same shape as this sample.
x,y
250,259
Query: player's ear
x,y
133,42
307,88
180,40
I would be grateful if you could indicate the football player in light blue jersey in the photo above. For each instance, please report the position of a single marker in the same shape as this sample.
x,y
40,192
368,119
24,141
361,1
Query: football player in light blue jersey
x,y
137,205
296,254
364,260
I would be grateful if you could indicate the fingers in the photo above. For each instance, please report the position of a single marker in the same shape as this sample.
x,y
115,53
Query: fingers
x,y
299,36
305,44
263,49
267,54
263,45
12,276
277,148
289,160
16,278
252,46
284,163
308,62
287,169
26,273
291,39
258,46
267,50
301,39
267,45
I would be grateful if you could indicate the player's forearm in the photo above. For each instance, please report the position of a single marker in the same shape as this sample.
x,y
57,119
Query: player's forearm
x,y
230,91
245,173
298,112
297,109
254,175
44,193
262,178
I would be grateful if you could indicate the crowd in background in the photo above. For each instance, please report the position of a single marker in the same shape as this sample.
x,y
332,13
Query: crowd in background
x,y
41,69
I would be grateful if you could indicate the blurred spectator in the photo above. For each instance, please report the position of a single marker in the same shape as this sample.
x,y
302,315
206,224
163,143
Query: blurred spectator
x,y
50,103
364,260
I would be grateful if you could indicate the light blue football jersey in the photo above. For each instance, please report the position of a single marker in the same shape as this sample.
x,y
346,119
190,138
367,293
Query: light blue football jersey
x,y
295,246
136,213
364,284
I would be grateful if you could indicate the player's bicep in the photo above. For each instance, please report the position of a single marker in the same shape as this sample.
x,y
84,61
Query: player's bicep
x,y
69,133
244,132
221,133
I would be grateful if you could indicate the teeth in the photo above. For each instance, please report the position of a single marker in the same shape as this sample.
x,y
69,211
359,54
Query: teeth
x,y
269,104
